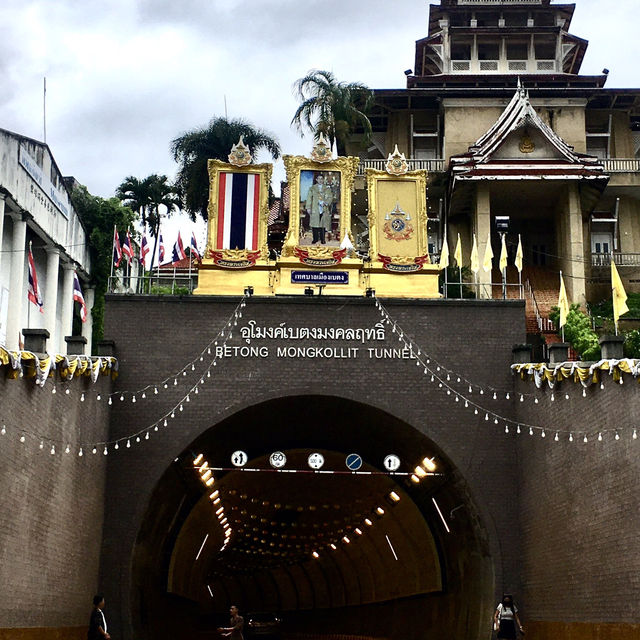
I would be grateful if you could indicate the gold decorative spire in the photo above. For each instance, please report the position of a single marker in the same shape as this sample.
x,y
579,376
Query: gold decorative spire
x,y
396,163
240,155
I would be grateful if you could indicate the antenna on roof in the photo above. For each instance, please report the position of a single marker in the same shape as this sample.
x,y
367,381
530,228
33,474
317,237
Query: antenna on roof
x,y
44,109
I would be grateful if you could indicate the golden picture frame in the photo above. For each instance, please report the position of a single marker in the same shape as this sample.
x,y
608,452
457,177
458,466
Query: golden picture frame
x,y
238,213
320,205
397,217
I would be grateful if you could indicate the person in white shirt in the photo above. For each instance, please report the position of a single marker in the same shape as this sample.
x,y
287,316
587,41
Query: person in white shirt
x,y
506,620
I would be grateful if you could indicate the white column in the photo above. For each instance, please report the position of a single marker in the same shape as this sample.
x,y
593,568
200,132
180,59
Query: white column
x,y
2,197
17,290
66,326
51,298
87,327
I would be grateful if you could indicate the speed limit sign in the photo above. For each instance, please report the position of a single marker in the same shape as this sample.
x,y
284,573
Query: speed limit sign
x,y
315,460
277,459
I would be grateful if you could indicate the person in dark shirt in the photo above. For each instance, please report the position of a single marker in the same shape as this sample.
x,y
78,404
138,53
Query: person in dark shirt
x,y
97,622
234,630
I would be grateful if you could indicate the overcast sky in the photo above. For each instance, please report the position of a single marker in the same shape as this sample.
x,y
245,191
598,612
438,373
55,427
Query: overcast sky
x,y
125,77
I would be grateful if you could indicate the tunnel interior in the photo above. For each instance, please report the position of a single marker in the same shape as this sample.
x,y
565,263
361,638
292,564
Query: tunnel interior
x,y
328,551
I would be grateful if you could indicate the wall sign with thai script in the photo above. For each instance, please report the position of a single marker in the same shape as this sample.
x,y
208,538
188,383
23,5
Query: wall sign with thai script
x,y
320,277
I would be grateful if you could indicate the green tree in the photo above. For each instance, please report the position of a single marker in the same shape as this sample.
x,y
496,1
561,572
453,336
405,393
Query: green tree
x,y
193,149
100,216
578,332
332,108
146,196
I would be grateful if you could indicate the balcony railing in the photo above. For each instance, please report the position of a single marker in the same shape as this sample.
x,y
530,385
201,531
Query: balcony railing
x,y
621,165
619,259
414,164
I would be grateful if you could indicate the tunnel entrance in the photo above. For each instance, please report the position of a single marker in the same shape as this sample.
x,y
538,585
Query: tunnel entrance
x,y
330,552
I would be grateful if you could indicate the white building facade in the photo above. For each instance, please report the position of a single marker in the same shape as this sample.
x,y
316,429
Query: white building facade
x,y
36,210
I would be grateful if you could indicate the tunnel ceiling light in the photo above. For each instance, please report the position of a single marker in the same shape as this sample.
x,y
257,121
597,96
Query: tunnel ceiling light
x,y
346,540
223,521
333,546
206,475
414,478
219,510
358,531
394,496
216,501
198,459
210,481
204,466
214,495
315,554
368,522
420,472
429,464
379,511
202,546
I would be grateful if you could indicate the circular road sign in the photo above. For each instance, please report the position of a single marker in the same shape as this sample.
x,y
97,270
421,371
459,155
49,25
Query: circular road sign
x,y
392,463
353,461
315,460
239,458
277,459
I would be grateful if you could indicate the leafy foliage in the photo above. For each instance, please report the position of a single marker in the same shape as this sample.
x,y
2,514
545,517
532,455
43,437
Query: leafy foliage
x,y
99,216
193,149
331,108
632,344
578,332
604,309
162,290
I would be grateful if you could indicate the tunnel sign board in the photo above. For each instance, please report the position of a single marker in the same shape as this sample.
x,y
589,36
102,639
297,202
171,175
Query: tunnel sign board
x,y
315,460
392,463
353,461
277,459
239,458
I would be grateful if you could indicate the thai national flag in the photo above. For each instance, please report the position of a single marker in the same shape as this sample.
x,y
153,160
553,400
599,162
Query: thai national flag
x,y
238,211
194,246
117,249
178,251
78,297
127,247
33,293
144,248
160,249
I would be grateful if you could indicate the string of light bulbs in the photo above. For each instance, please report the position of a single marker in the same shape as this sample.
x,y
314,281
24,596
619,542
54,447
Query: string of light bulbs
x,y
437,374
58,445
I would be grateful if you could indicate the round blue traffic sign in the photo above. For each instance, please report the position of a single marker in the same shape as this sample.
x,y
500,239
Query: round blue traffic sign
x,y
353,461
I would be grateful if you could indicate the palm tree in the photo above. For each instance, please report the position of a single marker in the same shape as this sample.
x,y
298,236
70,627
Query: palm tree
x,y
332,108
193,149
145,197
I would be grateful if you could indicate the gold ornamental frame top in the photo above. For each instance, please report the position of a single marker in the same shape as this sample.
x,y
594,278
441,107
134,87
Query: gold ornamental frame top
x,y
319,203
415,204
216,238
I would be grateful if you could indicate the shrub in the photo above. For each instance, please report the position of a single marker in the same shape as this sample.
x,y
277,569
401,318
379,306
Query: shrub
x,y
578,332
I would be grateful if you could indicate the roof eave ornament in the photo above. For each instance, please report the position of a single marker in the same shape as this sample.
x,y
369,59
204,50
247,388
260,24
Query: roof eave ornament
x,y
396,164
240,155
321,151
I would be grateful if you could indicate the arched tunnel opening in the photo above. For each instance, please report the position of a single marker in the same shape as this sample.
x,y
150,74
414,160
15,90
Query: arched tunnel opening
x,y
327,552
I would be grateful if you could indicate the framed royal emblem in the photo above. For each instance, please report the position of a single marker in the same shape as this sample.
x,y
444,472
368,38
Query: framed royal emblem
x,y
398,219
238,213
320,208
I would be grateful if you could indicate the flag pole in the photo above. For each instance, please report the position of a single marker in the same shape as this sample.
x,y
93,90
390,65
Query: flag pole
x,y
113,249
190,259
562,327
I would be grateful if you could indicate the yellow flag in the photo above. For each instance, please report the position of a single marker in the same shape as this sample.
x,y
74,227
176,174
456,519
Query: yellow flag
x,y
518,261
619,295
503,253
488,254
457,254
444,255
475,263
563,303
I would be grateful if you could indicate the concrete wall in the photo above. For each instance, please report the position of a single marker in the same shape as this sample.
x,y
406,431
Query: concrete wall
x,y
51,508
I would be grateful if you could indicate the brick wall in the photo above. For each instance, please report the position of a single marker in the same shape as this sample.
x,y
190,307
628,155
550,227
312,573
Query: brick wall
x,y
157,336
580,509
51,507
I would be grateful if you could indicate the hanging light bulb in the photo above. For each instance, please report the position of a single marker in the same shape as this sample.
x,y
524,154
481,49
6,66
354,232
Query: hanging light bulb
x,y
67,390
507,396
543,434
184,373
116,446
470,389
121,398
617,436
67,449
475,411
602,385
98,397
53,390
110,400
82,397
584,392
155,391
3,431
128,444
53,450
585,439
530,431
41,444
466,403
144,395
133,398
166,386
556,438
599,437
486,416
571,437
106,451
552,397
80,453
566,396
22,438
495,420
137,438
481,392
94,450
506,428
175,382
635,434
535,400
518,429
146,436
495,395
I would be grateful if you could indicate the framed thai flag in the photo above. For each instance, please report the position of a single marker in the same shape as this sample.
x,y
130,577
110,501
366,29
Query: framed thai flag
x,y
238,213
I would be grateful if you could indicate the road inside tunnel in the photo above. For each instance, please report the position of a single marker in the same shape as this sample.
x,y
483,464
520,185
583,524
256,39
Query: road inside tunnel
x,y
329,551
